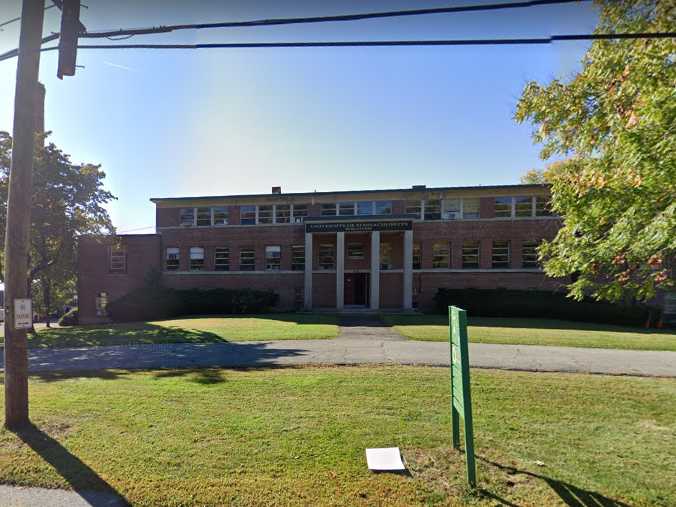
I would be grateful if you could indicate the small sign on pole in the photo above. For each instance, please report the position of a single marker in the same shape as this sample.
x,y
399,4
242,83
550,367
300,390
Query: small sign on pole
x,y
23,314
461,399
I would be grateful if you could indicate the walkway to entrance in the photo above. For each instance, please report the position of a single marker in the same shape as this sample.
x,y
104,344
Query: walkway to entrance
x,y
366,326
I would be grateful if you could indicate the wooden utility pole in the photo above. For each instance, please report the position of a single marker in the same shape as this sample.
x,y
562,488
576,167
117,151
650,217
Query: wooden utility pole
x,y
17,238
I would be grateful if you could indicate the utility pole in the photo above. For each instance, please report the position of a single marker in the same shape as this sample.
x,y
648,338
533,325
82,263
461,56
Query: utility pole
x,y
17,237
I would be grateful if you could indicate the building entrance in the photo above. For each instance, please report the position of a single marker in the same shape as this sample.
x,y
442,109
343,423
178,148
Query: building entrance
x,y
356,289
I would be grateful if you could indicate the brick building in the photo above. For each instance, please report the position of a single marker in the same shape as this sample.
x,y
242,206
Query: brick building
x,y
379,249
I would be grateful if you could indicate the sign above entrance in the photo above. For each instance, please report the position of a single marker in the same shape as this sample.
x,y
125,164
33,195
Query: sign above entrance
x,y
385,225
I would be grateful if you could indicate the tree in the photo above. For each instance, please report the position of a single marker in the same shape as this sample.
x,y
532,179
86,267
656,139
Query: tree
x,y
68,201
615,122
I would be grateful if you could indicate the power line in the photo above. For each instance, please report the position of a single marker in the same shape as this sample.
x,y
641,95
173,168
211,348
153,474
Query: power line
x,y
327,19
18,18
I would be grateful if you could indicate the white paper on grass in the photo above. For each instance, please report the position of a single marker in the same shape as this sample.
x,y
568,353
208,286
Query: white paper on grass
x,y
388,458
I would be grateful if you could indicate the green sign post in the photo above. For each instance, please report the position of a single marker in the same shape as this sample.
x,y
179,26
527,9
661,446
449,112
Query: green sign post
x,y
461,399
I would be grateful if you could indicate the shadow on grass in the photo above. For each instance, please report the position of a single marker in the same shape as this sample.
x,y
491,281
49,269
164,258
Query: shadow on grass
x,y
84,480
569,494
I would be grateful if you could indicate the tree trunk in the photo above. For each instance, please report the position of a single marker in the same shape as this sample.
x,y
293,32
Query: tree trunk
x,y
47,299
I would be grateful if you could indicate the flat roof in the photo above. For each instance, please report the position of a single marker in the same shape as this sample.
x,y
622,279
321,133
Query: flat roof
x,y
346,192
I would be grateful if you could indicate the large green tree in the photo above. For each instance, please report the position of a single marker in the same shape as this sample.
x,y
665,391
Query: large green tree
x,y
68,201
615,123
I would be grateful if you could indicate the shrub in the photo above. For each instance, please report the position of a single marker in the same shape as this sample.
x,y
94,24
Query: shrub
x,y
70,318
157,303
540,304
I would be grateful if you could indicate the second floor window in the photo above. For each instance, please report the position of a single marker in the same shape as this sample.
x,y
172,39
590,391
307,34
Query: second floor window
x,y
364,207
441,255
247,215
265,214
220,216
470,254
118,261
299,213
172,259
298,258
523,206
417,256
542,208
222,259
283,213
451,209
383,207
203,217
503,207
346,208
414,208
327,256
187,216
247,259
432,210
196,258
500,255
529,254
328,210
471,207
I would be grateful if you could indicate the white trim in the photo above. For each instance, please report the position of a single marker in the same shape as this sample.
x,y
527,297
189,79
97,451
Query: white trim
x,y
257,272
478,270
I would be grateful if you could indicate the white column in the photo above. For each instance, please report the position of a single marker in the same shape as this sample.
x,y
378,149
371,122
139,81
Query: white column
x,y
408,270
375,270
308,271
340,270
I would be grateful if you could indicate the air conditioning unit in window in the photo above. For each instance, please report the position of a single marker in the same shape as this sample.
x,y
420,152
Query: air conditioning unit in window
x,y
297,220
451,215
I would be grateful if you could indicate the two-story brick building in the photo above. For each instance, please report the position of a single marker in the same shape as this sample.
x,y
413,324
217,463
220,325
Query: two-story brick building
x,y
378,249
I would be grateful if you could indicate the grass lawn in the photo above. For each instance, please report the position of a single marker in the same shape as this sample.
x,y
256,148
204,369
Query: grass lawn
x,y
297,436
193,330
536,332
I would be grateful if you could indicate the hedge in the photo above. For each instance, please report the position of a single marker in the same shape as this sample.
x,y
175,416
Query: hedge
x,y
542,305
158,303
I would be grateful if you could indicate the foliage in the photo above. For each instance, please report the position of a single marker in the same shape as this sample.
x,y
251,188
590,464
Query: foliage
x,y
68,201
71,318
539,304
615,122
154,303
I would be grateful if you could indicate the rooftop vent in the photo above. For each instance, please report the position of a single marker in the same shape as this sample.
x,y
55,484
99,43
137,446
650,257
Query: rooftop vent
x,y
419,187
276,190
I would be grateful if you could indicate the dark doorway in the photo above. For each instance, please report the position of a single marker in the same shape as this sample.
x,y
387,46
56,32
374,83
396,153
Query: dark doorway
x,y
356,289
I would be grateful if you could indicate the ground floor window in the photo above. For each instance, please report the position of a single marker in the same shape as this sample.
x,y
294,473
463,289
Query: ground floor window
x,y
118,261
441,254
247,259
500,254
196,258
102,304
299,297
222,259
327,256
273,258
417,256
529,254
386,256
298,258
172,259
470,254
355,251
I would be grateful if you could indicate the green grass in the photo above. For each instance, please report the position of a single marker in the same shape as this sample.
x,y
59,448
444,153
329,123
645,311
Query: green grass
x,y
297,436
536,332
191,330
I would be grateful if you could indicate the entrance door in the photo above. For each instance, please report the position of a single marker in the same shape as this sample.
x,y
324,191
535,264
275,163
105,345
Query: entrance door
x,y
356,289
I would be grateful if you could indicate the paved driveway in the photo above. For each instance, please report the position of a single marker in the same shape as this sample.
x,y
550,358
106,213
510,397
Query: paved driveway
x,y
349,350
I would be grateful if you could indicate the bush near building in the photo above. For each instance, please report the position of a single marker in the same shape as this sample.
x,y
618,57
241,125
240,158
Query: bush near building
x,y
158,303
542,305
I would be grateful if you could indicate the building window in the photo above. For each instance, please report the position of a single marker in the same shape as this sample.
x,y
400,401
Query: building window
x,y
247,259
470,255
327,256
102,304
441,255
203,217
172,259
299,297
346,208
383,207
187,216
265,214
299,213
283,213
298,258
529,254
364,207
523,206
503,207
451,209
500,254
386,256
542,206
433,210
118,261
414,208
196,258
471,207
328,210
355,251
417,256
247,215
273,258
220,216
222,259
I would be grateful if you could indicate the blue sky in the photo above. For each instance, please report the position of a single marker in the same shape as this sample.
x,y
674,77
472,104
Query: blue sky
x,y
178,123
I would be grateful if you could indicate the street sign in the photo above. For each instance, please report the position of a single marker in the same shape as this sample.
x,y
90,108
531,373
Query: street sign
x,y
23,314
461,399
